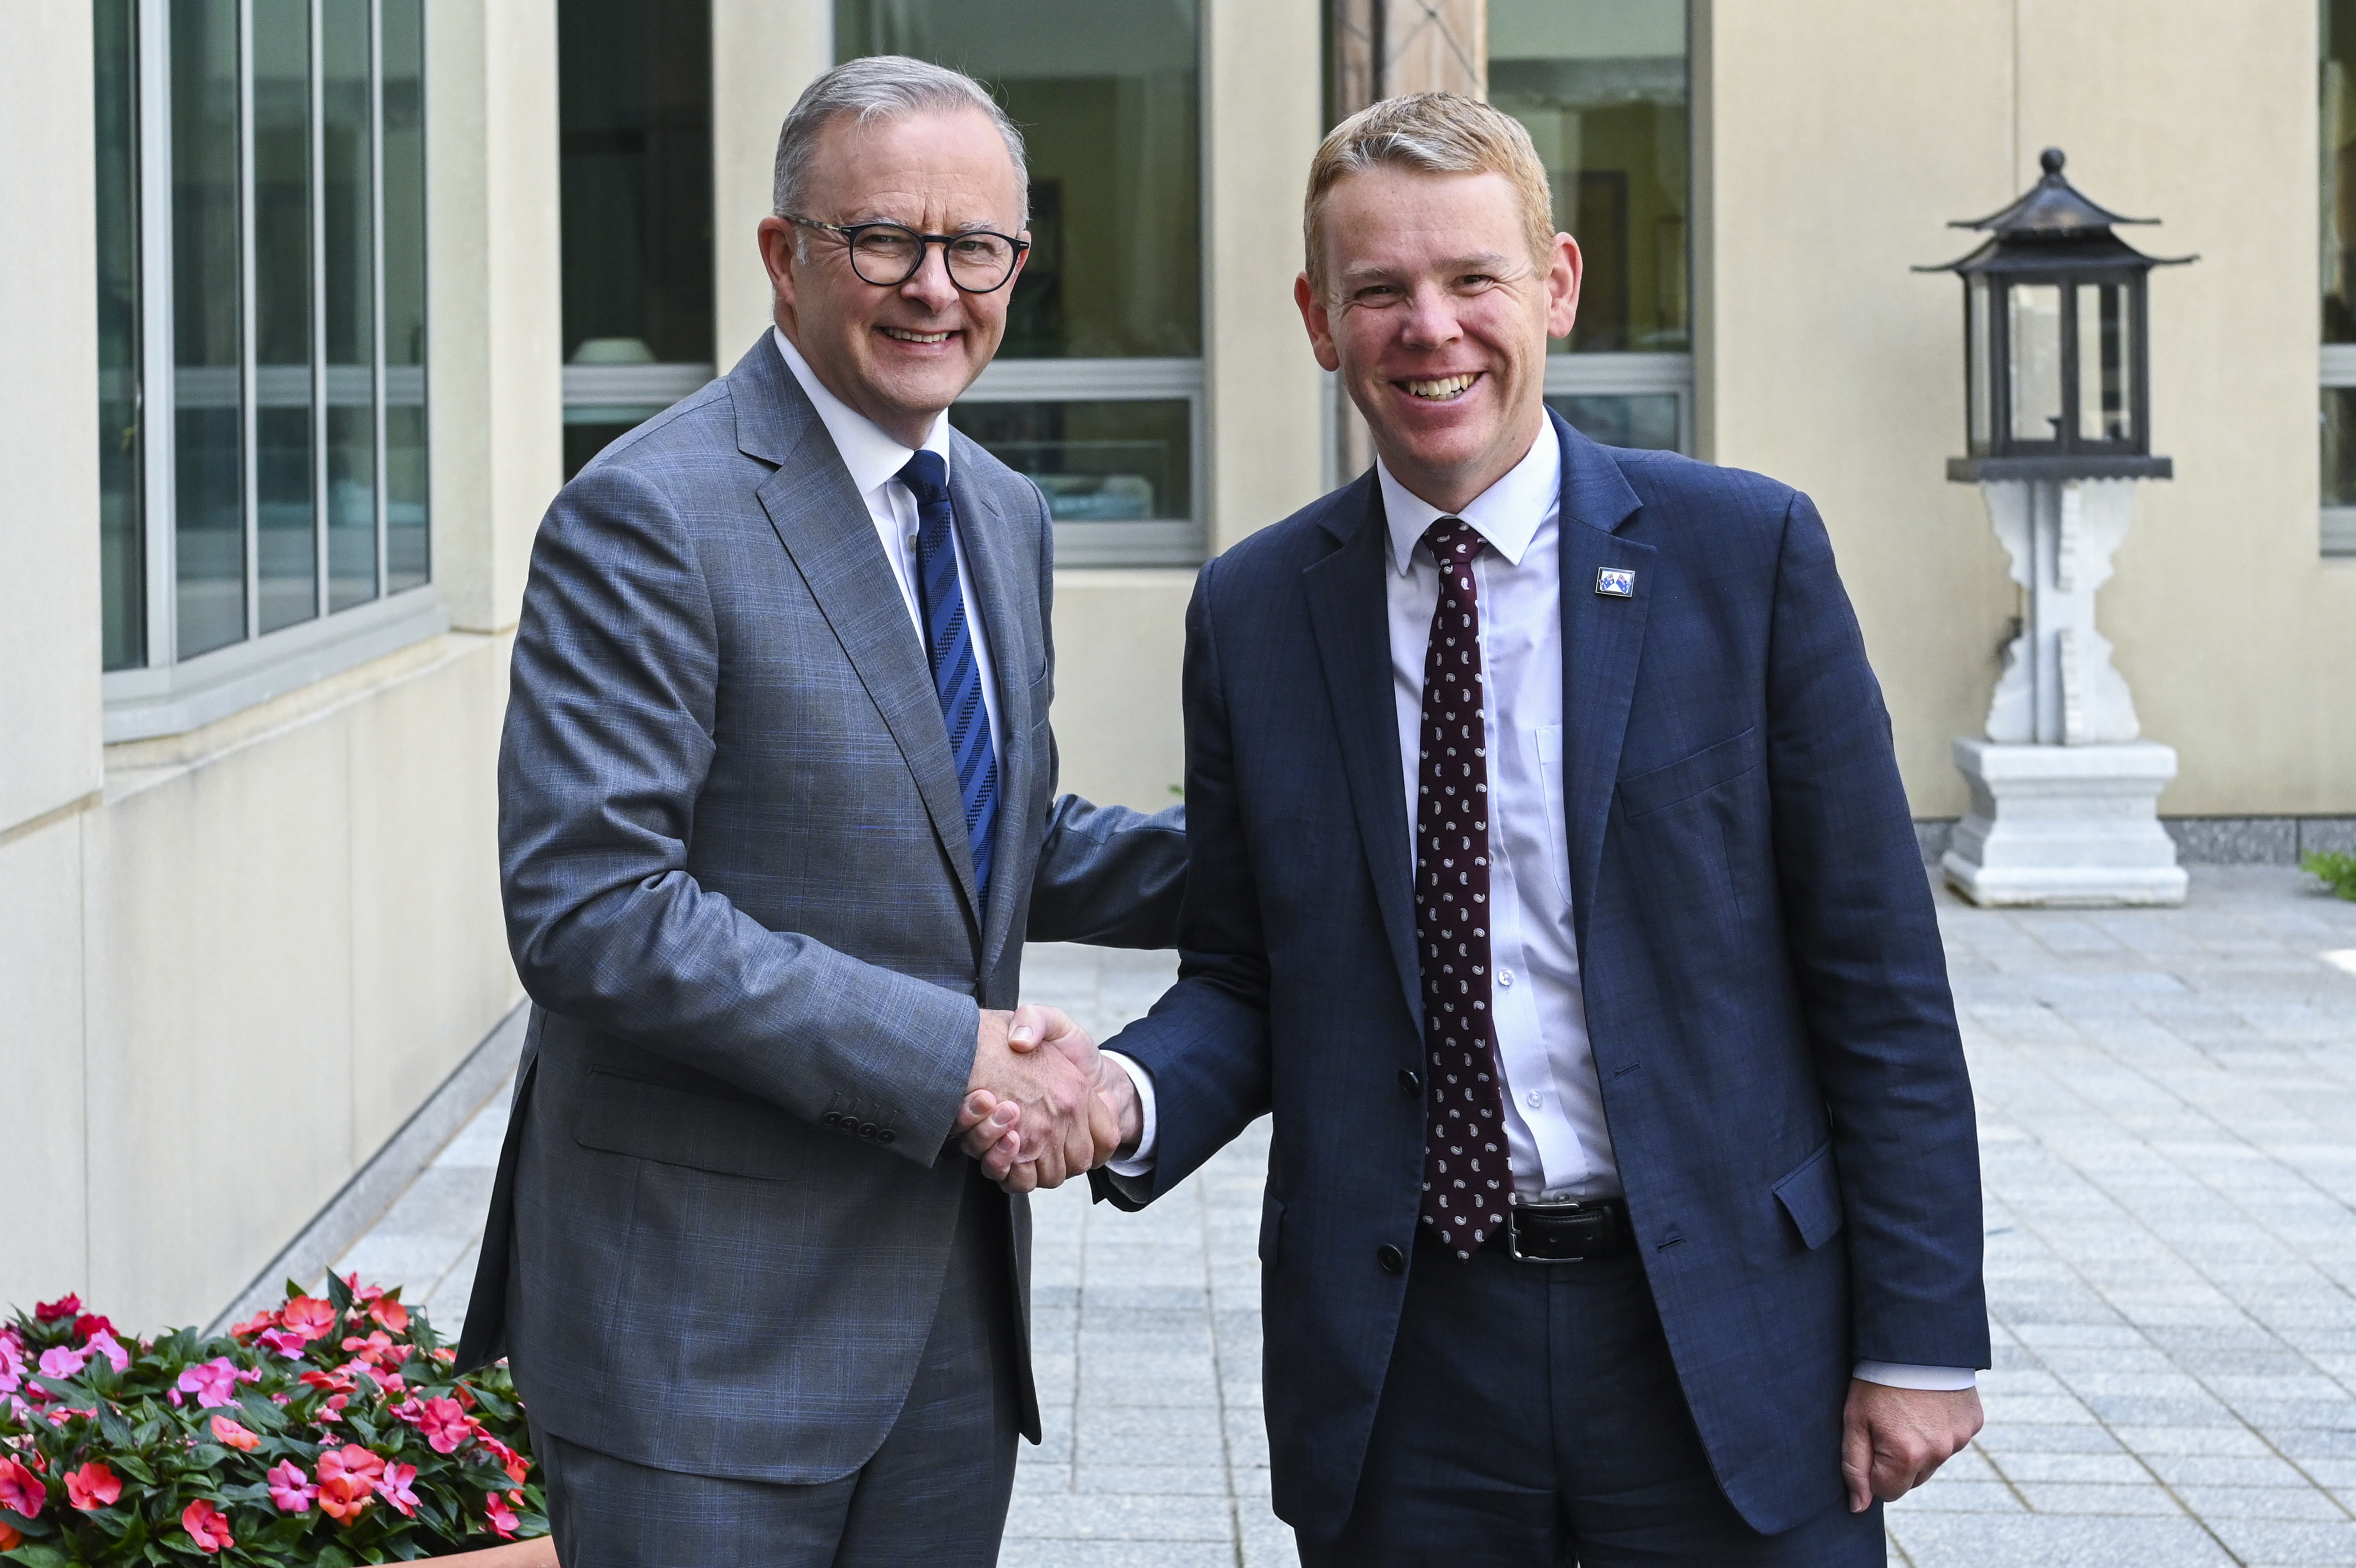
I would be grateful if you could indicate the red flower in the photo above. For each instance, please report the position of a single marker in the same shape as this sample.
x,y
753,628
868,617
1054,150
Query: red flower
x,y
21,1491
91,1323
518,1471
502,1518
92,1486
445,1424
390,1313
376,1350
57,1311
254,1325
309,1317
10,1537
347,1478
236,1436
207,1527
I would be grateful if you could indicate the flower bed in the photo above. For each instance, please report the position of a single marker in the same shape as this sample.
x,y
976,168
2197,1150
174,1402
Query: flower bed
x,y
330,1432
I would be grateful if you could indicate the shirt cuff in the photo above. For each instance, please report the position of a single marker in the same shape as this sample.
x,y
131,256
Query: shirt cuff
x,y
1900,1374
1140,1161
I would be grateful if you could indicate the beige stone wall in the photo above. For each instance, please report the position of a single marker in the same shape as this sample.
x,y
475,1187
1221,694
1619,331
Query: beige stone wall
x,y
763,52
1825,363
233,962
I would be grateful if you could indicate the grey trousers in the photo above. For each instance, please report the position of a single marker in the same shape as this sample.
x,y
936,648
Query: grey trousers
x,y
935,1493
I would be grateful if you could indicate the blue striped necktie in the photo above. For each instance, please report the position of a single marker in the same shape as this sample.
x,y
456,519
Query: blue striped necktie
x,y
949,644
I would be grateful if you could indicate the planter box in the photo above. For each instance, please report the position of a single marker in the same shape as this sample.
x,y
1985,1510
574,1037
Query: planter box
x,y
536,1553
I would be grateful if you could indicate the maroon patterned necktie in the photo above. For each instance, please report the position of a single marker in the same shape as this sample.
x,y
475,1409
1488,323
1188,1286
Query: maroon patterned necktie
x,y
1467,1174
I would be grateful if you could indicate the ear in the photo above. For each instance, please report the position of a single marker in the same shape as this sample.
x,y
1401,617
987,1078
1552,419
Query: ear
x,y
1318,318
1564,268
776,240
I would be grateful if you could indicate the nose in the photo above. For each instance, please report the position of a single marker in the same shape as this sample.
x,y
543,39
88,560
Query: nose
x,y
1430,321
930,287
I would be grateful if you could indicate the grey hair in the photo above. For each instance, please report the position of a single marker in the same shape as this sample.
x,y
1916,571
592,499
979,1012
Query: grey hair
x,y
880,87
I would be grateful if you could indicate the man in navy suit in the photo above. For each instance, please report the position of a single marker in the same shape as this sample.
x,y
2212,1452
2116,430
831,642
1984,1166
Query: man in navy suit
x,y
1553,886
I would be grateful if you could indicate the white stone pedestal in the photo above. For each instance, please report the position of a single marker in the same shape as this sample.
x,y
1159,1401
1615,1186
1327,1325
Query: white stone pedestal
x,y
2064,825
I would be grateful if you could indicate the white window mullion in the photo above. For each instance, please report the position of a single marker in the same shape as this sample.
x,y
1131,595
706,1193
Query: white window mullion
x,y
157,421
250,402
376,279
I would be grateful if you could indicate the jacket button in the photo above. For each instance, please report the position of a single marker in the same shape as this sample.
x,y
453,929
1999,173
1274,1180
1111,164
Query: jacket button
x,y
866,1129
885,1136
1410,1084
829,1119
1391,1258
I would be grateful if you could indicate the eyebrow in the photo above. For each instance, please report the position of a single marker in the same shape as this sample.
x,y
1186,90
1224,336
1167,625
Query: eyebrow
x,y
1482,261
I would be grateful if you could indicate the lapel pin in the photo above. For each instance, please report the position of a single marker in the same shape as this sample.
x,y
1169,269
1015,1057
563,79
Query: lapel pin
x,y
1615,582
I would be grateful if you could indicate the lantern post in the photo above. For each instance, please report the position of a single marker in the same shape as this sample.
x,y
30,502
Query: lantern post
x,y
2065,791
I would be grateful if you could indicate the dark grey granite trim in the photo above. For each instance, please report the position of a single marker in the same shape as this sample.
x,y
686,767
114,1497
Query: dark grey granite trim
x,y
372,1189
2209,840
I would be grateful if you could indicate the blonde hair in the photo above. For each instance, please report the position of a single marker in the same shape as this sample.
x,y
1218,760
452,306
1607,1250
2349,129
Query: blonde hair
x,y
1433,133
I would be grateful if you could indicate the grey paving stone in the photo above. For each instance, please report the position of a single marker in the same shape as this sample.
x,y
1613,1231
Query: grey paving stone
x,y
2023,1540
2310,1544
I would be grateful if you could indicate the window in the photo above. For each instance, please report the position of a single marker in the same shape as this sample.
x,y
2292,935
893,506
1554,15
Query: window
x,y
635,102
1602,86
1097,391
262,341
2338,231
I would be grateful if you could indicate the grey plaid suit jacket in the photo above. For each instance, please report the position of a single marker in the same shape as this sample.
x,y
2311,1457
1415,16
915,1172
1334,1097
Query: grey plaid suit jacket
x,y
739,892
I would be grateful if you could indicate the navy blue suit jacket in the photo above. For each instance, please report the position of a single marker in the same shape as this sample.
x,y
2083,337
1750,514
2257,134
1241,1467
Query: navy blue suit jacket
x,y
1765,988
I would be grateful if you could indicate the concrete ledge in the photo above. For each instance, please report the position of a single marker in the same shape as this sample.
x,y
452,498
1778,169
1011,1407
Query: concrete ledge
x,y
372,1189
2207,840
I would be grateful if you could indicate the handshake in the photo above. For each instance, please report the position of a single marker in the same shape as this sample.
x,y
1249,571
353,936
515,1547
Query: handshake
x,y
1044,1105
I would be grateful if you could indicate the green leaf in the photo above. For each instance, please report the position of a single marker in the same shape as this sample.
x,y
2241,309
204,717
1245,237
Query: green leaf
x,y
334,1556
340,1295
34,1554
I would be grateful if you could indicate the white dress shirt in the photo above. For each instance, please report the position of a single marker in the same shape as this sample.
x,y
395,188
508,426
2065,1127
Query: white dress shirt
x,y
1559,1143
875,460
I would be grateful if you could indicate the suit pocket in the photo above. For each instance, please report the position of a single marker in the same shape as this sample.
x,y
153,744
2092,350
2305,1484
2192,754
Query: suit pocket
x,y
1705,770
702,1132
1271,1230
1811,1195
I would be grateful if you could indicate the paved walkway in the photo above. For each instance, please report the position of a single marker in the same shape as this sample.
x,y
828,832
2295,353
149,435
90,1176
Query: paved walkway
x,y
2168,1103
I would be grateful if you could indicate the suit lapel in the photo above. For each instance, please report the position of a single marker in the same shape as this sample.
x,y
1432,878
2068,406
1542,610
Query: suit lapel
x,y
1005,587
1349,611
1602,645
824,525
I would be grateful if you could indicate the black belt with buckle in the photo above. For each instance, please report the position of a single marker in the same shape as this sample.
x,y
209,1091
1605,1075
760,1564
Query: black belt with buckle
x,y
1567,1230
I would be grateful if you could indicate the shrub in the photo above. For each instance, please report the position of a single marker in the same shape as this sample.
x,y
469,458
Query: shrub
x,y
2337,872
330,1432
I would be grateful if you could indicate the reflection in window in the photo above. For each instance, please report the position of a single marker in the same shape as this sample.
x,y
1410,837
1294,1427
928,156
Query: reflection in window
x,y
1107,97
122,539
2033,311
2339,106
2339,446
273,260
1622,418
1097,462
1602,87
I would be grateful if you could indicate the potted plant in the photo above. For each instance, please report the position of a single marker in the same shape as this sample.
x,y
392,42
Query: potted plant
x,y
330,1432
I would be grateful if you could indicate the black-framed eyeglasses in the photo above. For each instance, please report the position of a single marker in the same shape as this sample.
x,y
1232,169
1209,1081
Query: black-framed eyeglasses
x,y
889,254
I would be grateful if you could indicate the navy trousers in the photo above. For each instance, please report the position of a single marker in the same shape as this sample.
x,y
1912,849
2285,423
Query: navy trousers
x,y
1531,1416
935,1493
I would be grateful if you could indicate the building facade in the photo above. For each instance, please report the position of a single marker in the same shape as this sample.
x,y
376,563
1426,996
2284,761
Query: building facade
x,y
319,300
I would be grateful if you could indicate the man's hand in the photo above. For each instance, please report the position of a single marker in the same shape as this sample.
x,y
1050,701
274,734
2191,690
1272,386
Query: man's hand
x,y
1038,1064
1894,1439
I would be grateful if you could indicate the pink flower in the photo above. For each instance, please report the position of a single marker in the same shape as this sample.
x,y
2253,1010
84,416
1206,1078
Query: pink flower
x,y
519,1469
260,1320
285,1341
390,1313
376,1350
290,1489
207,1527
346,1477
56,1311
12,1364
22,1492
502,1518
103,1343
58,1361
92,1486
236,1436
445,1425
214,1383
393,1488
309,1317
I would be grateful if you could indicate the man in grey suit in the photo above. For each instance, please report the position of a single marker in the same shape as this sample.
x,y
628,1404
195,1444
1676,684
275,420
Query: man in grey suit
x,y
777,813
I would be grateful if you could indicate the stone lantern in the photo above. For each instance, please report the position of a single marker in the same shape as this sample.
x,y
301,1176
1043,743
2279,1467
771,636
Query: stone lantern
x,y
2065,792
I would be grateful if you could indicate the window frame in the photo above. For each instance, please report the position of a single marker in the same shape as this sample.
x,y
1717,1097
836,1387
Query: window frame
x,y
168,694
2337,524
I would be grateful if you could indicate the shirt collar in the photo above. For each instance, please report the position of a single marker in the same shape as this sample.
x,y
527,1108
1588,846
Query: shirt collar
x,y
873,457
1508,514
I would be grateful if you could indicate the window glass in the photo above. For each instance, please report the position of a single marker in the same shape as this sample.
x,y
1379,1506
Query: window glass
x,y
635,98
1602,87
1105,92
407,537
122,539
2339,446
349,155
208,329
1622,419
2035,314
1096,461
2339,232
2102,369
286,542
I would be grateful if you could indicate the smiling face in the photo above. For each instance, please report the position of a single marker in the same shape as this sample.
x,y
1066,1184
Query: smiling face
x,y
1436,317
899,356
